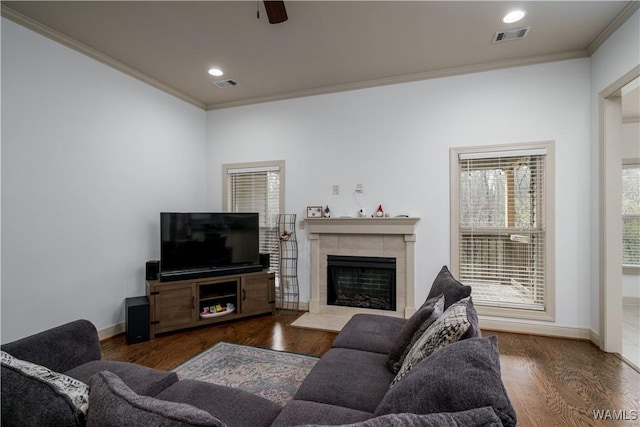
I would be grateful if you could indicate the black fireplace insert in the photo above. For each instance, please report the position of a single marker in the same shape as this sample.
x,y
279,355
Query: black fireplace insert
x,y
363,282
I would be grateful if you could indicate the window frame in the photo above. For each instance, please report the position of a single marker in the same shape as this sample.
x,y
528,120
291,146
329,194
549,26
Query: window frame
x,y
631,269
256,166
549,312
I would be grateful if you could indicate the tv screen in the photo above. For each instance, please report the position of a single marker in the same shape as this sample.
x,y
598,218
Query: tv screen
x,y
208,241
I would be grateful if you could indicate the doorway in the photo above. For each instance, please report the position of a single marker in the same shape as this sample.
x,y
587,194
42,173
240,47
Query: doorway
x,y
614,325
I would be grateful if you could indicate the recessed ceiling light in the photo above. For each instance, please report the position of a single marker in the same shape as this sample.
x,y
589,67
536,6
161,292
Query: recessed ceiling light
x,y
513,16
217,72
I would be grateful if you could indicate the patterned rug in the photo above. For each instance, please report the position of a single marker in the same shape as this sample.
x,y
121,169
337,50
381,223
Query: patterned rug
x,y
274,375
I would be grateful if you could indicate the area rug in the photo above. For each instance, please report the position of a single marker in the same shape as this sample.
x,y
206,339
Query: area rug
x,y
274,375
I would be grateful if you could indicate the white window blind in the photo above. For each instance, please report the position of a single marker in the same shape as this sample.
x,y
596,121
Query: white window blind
x,y
631,215
502,227
257,189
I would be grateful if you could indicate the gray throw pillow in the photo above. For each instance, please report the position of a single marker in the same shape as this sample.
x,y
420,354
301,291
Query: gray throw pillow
x,y
447,329
421,319
480,417
115,404
461,376
436,309
446,284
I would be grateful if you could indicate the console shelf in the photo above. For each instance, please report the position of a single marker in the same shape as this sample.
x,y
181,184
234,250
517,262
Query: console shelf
x,y
212,315
179,304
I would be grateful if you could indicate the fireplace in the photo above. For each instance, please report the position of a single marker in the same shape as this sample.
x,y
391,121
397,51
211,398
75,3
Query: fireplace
x,y
361,237
361,281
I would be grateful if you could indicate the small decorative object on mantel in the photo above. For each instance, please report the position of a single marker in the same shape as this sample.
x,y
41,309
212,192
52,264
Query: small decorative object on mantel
x,y
327,212
379,212
361,213
314,211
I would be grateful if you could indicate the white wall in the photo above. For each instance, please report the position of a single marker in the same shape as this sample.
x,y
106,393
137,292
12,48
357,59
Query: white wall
x,y
90,157
616,57
395,141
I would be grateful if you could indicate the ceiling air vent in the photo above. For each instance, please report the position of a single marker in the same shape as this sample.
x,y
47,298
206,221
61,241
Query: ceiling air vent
x,y
516,33
225,83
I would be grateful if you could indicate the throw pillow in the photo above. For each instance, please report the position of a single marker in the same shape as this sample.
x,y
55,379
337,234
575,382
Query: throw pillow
x,y
447,329
479,417
461,376
72,390
425,315
446,284
115,404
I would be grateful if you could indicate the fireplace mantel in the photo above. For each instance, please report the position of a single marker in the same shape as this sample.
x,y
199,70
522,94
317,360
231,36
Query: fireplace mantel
x,y
395,225
364,237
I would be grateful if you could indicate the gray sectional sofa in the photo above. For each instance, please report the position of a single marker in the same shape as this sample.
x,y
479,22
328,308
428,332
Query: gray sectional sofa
x,y
433,369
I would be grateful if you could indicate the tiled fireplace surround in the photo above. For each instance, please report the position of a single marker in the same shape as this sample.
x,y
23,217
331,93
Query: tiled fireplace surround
x,y
378,237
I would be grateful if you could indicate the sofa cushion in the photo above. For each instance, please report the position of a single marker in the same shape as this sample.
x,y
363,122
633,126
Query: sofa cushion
x,y
232,406
461,376
35,395
300,412
350,378
480,417
140,379
430,311
370,332
60,348
447,285
115,404
447,329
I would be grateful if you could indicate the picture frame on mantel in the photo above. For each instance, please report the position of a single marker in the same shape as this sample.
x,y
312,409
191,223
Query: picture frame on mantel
x,y
314,211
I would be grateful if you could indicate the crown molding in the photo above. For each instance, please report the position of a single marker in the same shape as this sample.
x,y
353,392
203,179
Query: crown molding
x,y
71,43
613,26
408,78
50,33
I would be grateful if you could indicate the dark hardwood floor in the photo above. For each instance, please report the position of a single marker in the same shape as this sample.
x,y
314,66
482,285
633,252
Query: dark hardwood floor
x,y
551,381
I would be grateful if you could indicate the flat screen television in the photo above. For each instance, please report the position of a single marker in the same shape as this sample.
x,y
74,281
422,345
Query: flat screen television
x,y
195,244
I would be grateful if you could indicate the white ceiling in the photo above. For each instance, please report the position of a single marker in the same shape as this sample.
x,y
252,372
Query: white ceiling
x,y
325,46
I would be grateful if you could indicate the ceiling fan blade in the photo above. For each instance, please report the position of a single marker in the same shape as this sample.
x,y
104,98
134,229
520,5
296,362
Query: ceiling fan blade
x,y
275,11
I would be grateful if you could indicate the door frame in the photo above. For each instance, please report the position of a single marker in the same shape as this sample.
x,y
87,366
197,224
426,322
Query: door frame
x,y
610,259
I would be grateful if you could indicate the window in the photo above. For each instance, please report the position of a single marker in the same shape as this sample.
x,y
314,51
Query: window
x,y
631,218
257,187
501,208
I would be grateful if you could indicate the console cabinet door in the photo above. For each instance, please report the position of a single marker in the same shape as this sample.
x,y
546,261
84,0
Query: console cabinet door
x,y
174,306
256,295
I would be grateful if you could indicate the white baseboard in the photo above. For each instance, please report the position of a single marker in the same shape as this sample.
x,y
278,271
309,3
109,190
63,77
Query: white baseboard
x,y
111,331
535,329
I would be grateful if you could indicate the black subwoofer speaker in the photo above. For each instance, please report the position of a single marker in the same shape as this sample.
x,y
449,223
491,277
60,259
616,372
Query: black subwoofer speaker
x,y
265,260
152,270
136,317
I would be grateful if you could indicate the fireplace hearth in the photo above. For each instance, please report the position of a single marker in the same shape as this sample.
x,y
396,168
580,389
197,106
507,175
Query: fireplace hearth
x,y
361,282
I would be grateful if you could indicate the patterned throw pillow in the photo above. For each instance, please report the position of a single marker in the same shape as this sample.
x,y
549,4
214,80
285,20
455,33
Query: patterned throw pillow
x,y
447,329
75,391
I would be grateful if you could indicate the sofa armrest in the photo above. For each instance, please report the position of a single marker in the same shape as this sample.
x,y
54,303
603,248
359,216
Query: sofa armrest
x,y
61,348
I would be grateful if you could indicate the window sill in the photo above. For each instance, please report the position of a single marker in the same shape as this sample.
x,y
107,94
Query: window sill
x,y
631,269
514,313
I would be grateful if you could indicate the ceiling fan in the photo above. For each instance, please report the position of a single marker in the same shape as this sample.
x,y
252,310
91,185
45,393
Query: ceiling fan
x,y
276,11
